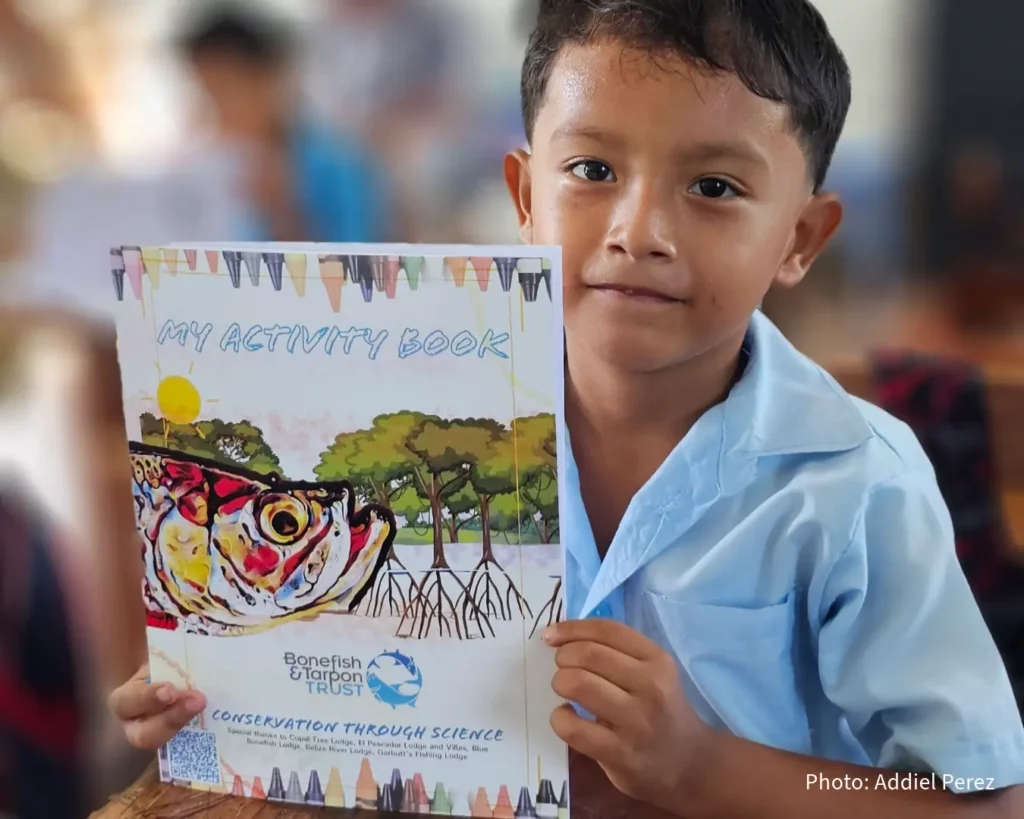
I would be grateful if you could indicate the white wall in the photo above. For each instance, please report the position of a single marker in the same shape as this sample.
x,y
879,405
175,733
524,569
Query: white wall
x,y
882,43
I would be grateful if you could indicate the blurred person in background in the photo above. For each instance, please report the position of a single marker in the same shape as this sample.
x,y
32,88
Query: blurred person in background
x,y
70,612
41,703
389,71
301,180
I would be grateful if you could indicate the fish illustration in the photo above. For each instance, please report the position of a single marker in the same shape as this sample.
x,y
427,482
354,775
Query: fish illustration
x,y
394,679
232,551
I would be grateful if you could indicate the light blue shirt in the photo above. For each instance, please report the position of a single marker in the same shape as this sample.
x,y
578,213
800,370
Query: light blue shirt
x,y
795,556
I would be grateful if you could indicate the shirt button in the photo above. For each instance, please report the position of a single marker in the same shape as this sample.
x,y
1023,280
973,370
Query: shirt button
x,y
604,611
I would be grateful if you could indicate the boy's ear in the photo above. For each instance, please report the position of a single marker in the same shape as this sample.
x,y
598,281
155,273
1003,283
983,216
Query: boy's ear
x,y
517,178
817,224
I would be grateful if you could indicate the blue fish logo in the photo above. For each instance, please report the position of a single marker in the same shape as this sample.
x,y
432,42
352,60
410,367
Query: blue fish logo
x,y
394,679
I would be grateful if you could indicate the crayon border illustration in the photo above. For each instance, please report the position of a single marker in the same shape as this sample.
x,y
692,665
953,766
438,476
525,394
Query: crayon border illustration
x,y
374,275
397,795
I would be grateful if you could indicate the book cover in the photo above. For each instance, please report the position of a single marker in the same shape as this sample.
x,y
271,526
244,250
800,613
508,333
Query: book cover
x,y
345,478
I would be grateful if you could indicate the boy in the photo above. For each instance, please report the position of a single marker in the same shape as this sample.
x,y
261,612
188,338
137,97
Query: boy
x,y
302,183
760,569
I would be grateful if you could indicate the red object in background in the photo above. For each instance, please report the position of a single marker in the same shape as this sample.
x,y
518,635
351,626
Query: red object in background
x,y
943,401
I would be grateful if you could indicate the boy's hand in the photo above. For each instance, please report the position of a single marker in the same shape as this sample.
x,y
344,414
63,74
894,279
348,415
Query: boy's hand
x,y
152,713
646,737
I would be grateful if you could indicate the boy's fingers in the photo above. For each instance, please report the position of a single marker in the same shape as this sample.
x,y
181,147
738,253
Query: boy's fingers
x,y
589,738
607,663
605,701
150,733
138,699
610,633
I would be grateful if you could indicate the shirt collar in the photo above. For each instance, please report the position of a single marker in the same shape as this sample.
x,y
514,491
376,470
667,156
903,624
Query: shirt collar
x,y
783,404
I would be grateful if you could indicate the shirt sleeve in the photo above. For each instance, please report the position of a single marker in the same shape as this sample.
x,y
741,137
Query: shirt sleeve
x,y
904,651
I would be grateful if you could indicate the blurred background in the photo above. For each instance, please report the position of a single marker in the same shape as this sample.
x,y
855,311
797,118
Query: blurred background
x,y
144,121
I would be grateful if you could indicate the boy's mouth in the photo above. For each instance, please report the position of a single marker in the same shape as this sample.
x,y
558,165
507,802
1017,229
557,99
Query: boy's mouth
x,y
636,293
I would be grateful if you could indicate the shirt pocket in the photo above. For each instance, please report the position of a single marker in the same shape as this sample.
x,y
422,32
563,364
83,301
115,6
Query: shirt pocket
x,y
742,662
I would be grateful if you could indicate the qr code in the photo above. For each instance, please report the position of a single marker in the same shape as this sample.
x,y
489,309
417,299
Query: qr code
x,y
193,757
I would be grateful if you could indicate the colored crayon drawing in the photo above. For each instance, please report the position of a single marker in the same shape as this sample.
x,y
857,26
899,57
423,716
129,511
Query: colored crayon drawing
x,y
410,795
373,274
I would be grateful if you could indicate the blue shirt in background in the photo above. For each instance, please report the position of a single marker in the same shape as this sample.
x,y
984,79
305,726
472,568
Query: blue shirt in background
x,y
342,191
795,556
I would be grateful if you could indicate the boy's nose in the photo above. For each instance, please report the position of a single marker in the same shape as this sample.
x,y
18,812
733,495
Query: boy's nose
x,y
643,224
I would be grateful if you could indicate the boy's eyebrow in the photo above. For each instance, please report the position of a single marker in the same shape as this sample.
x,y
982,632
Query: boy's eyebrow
x,y
740,151
571,131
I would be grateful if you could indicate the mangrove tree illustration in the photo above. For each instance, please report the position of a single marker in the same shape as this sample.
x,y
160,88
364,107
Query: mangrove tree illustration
x,y
237,444
551,611
450,477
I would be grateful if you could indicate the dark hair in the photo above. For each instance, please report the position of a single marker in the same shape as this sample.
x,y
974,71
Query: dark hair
x,y
780,49
245,35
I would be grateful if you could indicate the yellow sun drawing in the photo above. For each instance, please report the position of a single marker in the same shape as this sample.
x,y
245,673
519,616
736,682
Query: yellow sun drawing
x,y
178,399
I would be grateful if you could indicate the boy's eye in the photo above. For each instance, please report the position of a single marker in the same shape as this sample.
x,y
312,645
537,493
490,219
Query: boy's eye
x,y
592,171
712,187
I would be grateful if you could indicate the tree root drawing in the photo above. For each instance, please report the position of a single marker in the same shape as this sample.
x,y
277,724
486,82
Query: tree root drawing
x,y
552,610
394,589
486,596
432,607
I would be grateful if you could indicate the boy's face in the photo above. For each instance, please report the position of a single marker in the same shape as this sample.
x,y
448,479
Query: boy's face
x,y
678,198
